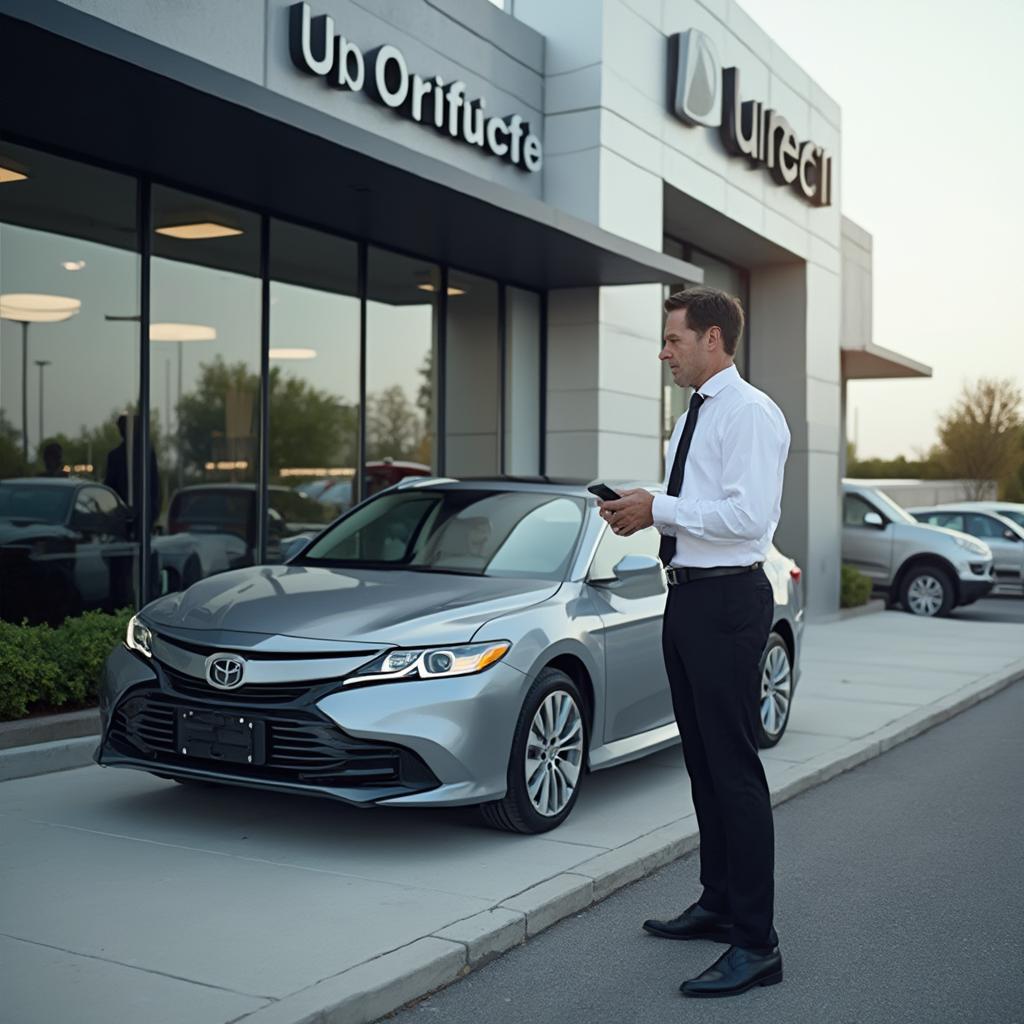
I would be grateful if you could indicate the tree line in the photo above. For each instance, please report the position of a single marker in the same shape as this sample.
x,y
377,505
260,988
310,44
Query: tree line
x,y
980,439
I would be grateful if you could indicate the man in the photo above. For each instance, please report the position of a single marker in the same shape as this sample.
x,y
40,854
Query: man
x,y
718,514
53,460
116,475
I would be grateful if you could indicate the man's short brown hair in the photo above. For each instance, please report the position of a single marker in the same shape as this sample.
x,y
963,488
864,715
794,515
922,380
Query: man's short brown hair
x,y
707,308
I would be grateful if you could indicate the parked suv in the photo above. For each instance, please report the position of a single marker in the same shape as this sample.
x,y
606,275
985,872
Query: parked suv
x,y
929,570
1004,536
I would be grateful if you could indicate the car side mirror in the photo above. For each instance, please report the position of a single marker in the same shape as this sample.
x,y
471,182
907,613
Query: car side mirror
x,y
636,576
633,567
873,519
1008,534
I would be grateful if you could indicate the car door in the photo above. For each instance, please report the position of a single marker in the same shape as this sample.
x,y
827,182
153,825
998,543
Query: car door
x,y
1007,547
637,695
867,548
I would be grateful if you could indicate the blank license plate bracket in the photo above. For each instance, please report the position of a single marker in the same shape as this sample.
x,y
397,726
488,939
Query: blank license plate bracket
x,y
221,736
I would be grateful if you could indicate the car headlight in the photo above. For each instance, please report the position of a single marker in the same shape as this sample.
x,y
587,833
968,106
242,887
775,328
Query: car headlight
x,y
139,637
974,546
432,662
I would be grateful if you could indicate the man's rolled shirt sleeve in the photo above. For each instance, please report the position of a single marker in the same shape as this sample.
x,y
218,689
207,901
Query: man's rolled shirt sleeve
x,y
749,465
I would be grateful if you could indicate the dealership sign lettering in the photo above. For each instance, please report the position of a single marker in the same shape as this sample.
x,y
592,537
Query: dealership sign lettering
x,y
385,76
706,94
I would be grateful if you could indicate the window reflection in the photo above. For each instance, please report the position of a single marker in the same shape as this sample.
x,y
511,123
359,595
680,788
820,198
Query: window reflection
x,y
401,382
69,327
204,383
314,382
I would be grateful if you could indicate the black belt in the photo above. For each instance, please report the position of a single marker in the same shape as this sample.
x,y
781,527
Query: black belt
x,y
676,574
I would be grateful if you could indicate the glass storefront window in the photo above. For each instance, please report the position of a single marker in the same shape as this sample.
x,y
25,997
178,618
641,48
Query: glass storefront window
x,y
70,495
401,368
472,402
204,383
314,381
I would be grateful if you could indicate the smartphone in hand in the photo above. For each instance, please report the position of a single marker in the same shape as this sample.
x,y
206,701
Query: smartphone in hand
x,y
604,492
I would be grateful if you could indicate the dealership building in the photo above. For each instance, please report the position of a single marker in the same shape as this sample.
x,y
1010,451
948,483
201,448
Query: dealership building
x,y
288,247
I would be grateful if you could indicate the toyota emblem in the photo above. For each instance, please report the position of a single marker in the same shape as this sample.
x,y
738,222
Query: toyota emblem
x,y
225,671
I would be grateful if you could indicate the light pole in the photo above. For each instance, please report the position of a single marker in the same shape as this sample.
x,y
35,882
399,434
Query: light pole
x,y
178,333
33,308
42,364
181,333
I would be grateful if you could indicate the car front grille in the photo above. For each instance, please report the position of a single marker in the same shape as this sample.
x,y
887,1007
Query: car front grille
x,y
300,746
251,694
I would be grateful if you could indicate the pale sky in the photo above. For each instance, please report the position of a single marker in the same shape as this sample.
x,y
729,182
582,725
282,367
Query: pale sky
x,y
932,162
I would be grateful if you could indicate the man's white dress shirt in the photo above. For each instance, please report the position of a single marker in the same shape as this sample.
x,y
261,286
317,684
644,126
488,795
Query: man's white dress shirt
x,y
731,498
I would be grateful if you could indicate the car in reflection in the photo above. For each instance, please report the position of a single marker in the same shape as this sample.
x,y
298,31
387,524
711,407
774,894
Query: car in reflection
x,y
66,547
477,642
1003,535
211,528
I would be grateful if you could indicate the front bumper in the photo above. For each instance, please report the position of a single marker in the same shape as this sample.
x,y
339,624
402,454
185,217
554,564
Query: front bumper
x,y
438,742
971,590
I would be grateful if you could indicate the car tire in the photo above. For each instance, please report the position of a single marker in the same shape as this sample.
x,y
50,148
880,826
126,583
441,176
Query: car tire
x,y
775,692
548,758
927,590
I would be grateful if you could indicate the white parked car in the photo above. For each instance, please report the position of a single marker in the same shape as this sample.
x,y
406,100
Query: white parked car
x,y
929,570
1004,536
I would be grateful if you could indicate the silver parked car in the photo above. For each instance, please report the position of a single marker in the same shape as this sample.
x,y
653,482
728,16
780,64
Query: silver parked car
x,y
1004,536
443,643
929,570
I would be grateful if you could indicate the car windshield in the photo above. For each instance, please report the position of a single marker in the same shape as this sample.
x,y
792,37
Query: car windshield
x,y
894,511
39,503
472,532
1012,514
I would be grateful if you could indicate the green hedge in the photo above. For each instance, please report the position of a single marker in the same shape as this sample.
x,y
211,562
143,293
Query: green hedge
x,y
44,668
854,589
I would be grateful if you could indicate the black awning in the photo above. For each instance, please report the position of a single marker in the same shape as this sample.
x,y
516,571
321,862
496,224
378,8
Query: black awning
x,y
94,91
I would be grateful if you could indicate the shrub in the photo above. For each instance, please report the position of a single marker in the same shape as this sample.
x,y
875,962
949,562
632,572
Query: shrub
x,y
44,667
854,588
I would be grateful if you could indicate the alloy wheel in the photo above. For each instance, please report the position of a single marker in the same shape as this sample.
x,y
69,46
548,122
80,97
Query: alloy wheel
x,y
554,753
776,691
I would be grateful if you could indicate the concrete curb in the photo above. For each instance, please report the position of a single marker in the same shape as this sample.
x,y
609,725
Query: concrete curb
x,y
41,758
63,725
368,991
876,604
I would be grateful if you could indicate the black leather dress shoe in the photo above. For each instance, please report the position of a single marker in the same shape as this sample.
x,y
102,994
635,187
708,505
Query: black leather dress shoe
x,y
693,923
736,970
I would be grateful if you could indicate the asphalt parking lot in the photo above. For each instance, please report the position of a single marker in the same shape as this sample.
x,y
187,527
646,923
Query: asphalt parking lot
x,y
994,608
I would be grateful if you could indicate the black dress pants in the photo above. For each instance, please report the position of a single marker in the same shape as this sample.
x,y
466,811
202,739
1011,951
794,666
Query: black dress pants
x,y
715,630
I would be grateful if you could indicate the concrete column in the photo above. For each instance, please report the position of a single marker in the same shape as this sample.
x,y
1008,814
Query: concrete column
x,y
795,359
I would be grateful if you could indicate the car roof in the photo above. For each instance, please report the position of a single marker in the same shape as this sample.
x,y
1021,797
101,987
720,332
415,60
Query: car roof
x,y
53,481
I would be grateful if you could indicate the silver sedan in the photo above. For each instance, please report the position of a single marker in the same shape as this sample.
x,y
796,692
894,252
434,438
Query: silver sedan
x,y
444,643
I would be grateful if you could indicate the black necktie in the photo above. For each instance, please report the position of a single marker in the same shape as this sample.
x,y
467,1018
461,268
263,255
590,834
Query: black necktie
x,y
667,549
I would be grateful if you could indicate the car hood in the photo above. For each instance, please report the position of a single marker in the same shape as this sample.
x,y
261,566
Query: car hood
x,y
913,530
367,605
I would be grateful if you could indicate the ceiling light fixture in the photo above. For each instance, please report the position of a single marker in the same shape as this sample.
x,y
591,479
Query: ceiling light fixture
x,y
293,353
433,288
9,173
200,230
31,308
182,332
73,264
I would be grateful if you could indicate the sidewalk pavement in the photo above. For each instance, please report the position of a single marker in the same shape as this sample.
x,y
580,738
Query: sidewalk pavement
x,y
128,898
